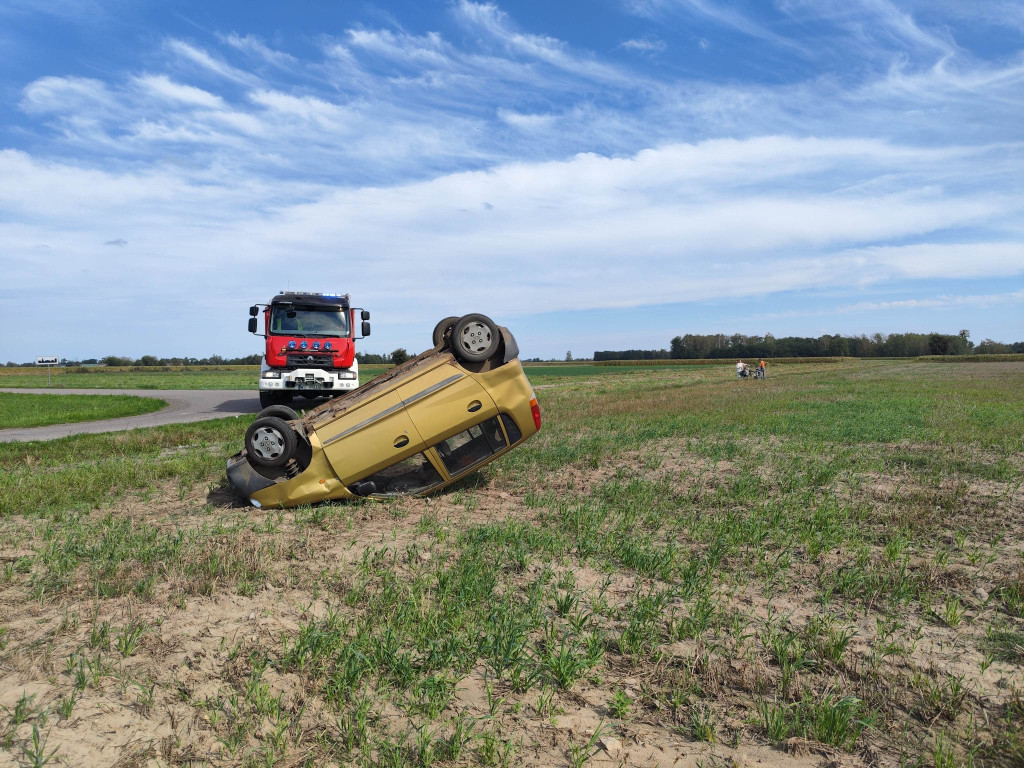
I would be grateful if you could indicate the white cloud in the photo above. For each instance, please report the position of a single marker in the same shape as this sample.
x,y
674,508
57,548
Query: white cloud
x,y
488,18
644,45
938,302
428,50
209,63
254,46
665,225
525,122
942,260
306,108
163,87
720,13
64,94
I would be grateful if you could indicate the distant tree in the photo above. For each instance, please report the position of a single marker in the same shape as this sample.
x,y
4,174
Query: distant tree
x,y
938,344
677,348
990,347
568,356
148,360
114,360
399,356
370,358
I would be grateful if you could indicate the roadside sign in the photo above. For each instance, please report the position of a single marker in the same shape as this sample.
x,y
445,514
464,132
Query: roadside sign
x,y
48,361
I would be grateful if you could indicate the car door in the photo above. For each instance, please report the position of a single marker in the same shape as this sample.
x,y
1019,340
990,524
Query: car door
x,y
375,435
444,401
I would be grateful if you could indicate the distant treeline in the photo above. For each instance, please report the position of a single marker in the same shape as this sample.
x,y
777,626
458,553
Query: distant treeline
x,y
148,361
719,345
666,361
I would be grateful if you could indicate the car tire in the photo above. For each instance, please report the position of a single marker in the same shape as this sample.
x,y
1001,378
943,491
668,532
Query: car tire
x,y
442,328
270,442
268,399
280,411
474,338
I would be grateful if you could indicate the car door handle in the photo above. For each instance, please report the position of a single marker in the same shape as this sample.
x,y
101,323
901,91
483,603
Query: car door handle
x,y
475,406
401,441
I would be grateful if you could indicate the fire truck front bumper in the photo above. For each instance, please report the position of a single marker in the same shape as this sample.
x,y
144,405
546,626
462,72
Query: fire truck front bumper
x,y
305,379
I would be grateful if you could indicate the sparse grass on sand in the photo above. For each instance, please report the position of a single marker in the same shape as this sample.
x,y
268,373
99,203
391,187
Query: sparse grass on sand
x,y
824,568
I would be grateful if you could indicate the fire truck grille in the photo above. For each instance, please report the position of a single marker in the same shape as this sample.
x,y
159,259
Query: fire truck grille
x,y
306,361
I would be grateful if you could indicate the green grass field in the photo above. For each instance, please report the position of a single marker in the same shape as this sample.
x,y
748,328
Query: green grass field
x,y
822,568
24,410
231,376
206,377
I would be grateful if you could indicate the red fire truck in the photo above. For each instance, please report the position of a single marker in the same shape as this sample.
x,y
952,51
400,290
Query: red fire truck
x,y
310,345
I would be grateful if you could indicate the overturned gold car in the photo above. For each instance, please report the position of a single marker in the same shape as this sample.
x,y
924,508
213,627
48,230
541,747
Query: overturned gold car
x,y
412,430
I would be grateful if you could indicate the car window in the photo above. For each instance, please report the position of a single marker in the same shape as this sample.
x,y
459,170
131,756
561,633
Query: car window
x,y
463,450
514,435
410,475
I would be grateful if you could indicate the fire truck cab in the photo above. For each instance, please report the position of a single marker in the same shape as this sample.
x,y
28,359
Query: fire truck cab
x,y
310,345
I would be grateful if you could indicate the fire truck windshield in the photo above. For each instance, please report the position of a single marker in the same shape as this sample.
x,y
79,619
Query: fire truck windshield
x,y
299,321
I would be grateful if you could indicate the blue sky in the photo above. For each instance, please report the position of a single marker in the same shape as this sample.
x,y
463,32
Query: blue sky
x,y
599,174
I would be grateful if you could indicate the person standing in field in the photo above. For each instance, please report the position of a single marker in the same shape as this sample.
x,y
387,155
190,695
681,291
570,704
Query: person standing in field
x,y
741,369
763,367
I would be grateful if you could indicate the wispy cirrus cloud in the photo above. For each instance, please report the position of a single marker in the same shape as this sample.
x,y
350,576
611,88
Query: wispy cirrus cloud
x,y
937,302
645,45
202,59
254,46
66,95
163,87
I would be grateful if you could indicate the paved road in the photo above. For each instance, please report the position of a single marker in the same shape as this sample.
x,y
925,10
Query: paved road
x,y
182,406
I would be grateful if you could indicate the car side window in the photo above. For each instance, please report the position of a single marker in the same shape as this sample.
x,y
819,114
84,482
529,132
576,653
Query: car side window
x,y
465,449
410,475
514,435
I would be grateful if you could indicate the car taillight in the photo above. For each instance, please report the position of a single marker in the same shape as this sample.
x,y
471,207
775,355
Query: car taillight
x,y
535,410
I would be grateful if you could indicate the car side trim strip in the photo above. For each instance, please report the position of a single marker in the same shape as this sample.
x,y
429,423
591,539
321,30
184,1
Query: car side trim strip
x,y
362,424
388,411
432,389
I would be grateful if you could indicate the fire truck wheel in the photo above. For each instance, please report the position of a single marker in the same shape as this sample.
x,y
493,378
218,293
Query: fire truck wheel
x,y
274,398
442,328
474,338
281,411
270,442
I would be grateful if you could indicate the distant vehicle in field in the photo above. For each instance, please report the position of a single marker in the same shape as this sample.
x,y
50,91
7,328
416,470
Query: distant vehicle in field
x,y
412,430
310,346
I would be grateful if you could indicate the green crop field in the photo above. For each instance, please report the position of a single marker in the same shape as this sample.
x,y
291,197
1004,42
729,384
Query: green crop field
x,y
823,568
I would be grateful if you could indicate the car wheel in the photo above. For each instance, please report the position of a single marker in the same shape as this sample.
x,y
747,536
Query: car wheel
x,y
270,442
280,411
442,328
474,338
268,399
